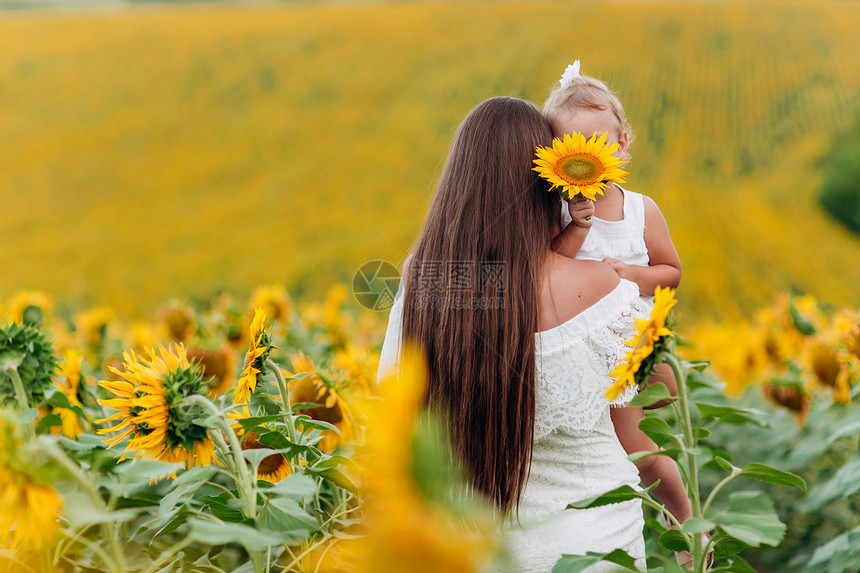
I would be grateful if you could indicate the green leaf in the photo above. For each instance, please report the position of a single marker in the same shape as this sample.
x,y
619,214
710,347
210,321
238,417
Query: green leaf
x,y
250,424
291,516
650,395
297,487
28,416
59,400
769,474
298,376
801,323
739,565
309,422
637,457
731,415
258,455
707,456
47,422
843,483
579,563
840,553
278,441
726,546
80,511
623,493
674,540
183,486
751,518
699,380
145,470
83,443
658,430
334,475
702,433
697,525
305,406
220,508
698,365
725,464
220,533
844,431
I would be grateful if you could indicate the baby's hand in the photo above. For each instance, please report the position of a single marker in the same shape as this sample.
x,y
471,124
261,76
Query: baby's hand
x,y
623,270
581,211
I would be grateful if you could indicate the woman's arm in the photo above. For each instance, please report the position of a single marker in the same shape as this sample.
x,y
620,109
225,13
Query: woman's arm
x,y
390,353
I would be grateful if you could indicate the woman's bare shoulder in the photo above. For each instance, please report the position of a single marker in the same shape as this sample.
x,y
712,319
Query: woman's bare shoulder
x,y
570,286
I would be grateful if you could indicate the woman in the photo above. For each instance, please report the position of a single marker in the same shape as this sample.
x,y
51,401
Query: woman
x,y
519,340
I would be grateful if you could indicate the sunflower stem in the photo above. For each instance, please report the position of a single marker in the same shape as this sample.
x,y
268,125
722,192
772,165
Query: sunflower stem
x,y
11,370
244,484
111,532
686,423
285,399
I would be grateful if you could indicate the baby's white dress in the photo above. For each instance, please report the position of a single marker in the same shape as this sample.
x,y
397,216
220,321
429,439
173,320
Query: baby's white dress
x,y
576,452
623,240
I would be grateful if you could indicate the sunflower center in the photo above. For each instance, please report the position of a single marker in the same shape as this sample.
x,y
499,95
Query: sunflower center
x,y
581,169
825,364
271,464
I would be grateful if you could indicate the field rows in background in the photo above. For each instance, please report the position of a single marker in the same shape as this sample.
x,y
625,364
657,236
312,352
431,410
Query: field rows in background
x,y
174,151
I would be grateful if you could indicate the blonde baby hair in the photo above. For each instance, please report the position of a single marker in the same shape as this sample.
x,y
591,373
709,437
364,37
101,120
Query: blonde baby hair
x,y
575,91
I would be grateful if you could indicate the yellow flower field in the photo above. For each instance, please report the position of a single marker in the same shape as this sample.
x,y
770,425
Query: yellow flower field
x,y
163,151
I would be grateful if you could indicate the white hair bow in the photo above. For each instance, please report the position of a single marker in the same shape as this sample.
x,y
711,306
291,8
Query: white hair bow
x,y
571,72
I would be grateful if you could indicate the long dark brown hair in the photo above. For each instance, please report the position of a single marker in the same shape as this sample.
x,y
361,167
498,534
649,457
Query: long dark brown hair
x,y
472,285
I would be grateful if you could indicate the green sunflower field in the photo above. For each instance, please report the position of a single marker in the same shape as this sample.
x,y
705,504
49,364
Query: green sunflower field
x,y
157,151
187,382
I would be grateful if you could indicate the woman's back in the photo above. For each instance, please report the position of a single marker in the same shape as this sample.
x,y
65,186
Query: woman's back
x,y
576,453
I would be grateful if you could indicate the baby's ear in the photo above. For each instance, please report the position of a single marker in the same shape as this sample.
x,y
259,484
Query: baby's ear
x,y
623,141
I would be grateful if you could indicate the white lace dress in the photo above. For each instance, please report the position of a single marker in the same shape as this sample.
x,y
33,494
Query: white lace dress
x,y
576,454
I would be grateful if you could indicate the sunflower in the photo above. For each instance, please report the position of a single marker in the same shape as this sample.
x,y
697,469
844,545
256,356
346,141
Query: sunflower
x,y
227,318
328,406
70,383
830,367
219,367
793,397
404,531
650,335
846,324
738,353
255,358
93,325
237,413
274,300
179,322
272,468
359,365
141,336
330,316
32,355
29,508
580,166
148,400
29,307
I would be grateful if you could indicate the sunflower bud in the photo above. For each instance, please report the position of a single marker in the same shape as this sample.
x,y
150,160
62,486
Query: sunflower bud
x,y
27,350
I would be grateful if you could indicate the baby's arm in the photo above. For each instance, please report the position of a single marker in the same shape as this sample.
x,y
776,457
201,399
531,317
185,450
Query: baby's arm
x,y
570,240
664,268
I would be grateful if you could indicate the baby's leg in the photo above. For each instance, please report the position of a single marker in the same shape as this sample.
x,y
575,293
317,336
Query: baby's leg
x,y
663,373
